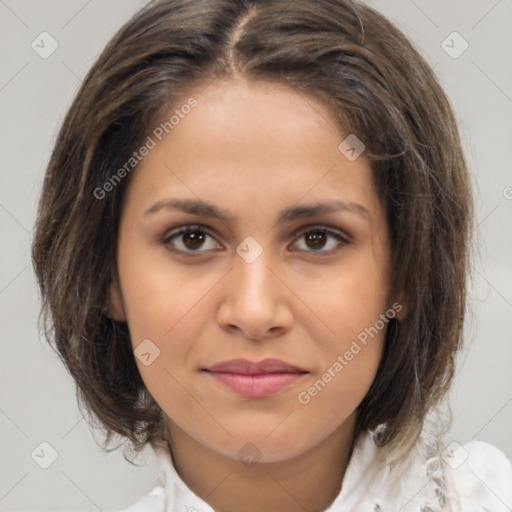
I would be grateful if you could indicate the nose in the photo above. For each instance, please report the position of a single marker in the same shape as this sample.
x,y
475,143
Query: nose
x,y
255,302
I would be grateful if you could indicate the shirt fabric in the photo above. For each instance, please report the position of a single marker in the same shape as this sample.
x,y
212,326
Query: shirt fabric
x,y
471,478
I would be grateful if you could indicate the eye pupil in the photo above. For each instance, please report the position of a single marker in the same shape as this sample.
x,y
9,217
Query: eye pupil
x,y
316,239
193,239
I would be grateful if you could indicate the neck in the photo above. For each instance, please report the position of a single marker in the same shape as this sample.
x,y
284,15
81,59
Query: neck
x,y
309,481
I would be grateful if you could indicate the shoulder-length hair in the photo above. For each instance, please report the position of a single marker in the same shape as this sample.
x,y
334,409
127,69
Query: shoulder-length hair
x,y
376,85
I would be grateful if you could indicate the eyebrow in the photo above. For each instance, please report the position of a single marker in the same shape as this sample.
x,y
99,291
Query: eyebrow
x,y
205,209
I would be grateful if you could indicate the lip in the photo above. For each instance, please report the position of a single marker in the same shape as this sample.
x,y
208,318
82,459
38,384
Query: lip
x,y
256,378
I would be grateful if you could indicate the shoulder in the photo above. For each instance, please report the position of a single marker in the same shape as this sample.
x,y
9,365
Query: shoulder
x,y
152,502
479,477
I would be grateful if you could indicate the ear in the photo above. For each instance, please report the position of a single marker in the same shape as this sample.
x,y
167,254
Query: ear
x,y
400,308
115,307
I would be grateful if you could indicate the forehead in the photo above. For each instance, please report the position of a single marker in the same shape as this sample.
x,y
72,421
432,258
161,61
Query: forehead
x,y
256,144
236,119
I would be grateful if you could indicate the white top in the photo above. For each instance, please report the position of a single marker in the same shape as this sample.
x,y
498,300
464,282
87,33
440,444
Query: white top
x,y
470,478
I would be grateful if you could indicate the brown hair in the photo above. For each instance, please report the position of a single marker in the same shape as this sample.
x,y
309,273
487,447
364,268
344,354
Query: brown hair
x,y
377,87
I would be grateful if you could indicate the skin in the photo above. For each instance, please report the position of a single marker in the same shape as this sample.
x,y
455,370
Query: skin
x,y
254,148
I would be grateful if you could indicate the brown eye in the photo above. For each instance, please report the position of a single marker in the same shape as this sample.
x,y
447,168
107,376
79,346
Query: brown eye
x,y
193,239
320,240
190,239
315,239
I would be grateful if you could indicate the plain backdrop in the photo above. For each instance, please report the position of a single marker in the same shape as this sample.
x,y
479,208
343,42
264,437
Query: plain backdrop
x,y
37,396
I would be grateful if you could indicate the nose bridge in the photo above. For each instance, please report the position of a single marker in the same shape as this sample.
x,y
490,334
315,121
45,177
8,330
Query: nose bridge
x,y
252,277
254,302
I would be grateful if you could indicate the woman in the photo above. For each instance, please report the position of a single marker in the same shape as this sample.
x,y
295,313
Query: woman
x,y
252,245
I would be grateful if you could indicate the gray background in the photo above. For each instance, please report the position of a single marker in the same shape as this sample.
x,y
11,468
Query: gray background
x,y
37,398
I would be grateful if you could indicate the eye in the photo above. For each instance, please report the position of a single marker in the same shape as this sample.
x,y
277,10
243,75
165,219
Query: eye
x,y
321,240
195,239
190,239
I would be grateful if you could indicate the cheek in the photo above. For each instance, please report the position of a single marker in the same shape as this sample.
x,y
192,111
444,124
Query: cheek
x,y
350,330
349,366
345,300
160,297
168,306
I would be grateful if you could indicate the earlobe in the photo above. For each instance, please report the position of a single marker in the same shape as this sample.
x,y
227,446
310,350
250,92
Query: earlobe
x,y
400,309
115,307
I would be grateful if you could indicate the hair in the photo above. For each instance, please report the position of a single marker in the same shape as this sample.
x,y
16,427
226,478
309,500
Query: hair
x,y
376,85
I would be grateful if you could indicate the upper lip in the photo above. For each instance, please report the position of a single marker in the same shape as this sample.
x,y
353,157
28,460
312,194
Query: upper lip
x,y
247,367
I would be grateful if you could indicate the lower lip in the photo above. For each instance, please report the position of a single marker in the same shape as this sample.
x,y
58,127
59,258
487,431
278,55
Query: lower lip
x,y
260,385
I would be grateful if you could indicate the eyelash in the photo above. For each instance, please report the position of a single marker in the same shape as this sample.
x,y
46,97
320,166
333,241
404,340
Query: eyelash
x,y
342,239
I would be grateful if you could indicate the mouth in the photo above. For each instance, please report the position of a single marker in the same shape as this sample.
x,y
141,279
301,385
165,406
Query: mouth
x,y
255,379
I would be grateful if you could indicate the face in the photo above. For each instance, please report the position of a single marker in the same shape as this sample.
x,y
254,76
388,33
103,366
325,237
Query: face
x,y
284,261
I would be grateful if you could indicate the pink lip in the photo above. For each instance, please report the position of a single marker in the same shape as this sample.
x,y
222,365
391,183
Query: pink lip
x,y
256,379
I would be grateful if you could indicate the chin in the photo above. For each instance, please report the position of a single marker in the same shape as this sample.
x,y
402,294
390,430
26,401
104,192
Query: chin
x,y
261,447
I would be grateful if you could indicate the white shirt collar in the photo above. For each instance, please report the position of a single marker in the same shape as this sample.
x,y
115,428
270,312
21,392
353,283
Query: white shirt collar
x,y
370,484
476,476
